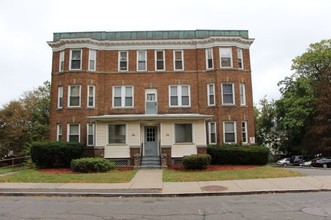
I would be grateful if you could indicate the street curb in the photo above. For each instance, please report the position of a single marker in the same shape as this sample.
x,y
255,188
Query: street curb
x,y
126,195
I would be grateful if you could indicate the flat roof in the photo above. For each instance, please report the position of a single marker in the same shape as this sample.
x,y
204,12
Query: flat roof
x,y
149,35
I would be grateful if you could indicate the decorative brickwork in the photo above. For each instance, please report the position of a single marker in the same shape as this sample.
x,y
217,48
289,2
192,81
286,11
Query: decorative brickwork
x,y
167,153
134,153
202,150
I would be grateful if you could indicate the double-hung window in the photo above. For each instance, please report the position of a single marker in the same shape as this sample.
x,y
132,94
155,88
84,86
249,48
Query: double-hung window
x,y
75,59
212,132
61,61
116,133
178,60
122,96
211,94
74,95
229,129
159,60
226,57
123,60
209,59
92,60
60,97
183,133
91,96
59,132
228,94
240,58
90,134
73,133
179,96
141,60
242,94
244,132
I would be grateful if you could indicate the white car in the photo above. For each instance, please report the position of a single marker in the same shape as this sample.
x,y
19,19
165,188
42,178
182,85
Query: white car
x,y
284,162
306,163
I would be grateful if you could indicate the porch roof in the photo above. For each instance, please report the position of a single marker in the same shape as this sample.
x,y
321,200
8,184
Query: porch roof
x,y
150,117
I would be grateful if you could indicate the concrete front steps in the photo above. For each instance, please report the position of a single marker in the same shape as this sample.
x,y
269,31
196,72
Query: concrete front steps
x,y
148,162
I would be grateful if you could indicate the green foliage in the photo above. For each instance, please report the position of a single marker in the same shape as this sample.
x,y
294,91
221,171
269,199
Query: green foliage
x,y
238,155
54,154
196,161
91,164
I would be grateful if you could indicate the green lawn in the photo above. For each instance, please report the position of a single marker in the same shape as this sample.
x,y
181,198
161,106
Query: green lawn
x,y
11,169
252,173
35,176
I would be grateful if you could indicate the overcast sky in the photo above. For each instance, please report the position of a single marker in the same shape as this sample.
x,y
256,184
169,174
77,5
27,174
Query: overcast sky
x,y
282,29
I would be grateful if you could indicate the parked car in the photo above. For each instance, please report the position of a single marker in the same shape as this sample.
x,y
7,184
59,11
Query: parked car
x,y
284,162
323,162
296,160
306,163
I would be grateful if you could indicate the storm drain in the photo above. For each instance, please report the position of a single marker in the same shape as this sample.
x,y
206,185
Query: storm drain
x,y
213,188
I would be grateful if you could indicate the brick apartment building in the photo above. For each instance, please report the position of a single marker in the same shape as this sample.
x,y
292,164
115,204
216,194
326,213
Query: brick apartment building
x,y
151,94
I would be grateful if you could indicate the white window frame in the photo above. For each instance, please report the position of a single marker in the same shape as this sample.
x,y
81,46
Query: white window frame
x,y
92,57
126,134
210,124
60,97
59,132
81,55
244,133
127,61
176,133
179,95
90,95
181,59
144,60
207,58
68,131
242,94
123,96
212,85
88,127
69,95
240,58
229,49
61,61
233,94
235,132
156,60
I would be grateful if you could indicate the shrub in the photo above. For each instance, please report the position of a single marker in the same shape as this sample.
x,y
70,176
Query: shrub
x,y
238,155
91,164
196,161
51,154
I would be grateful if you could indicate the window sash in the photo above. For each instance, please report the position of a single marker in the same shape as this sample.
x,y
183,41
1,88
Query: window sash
x,y
211,94
240,58
116,133
61,61
59,132
183,133
212,132
73,133
90,134
179,96
92,60
123,96
244,132
209,59
91,96
141,60
178,60
60,97
230,132
123,60
159,58
226,57
76,57
242,94
227,94
74,96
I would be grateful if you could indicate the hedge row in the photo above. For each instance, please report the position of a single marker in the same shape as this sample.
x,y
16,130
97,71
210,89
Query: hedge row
x,y
238,155
92,164
196,161
50,154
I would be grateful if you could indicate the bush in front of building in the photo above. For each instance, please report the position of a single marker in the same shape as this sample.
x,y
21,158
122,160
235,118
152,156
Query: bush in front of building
x,y
92,165
196,161
49,154
238,155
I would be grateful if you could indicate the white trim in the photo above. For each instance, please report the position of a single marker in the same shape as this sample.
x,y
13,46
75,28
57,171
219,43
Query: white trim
x,y
61,59
235,132
208,94
68,131
81,61
229,49
242,131
123,89
182,59
209,132
59,131
92,56
126,134
240,55
212,58
80,96
134,117
88,96
87,134
145,59
59,97
233,95
213,41
119,61
179,96
164,61
242,94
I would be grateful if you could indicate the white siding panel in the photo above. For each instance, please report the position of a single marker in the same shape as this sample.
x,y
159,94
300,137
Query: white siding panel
x,y
133,134
101,134
178,150
167,133
117,152
199,133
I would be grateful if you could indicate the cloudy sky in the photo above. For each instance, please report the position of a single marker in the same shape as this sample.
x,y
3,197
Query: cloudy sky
x,y
282,29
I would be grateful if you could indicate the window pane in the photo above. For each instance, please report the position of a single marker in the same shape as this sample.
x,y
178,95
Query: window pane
x,y
117,134
227,99
117,91
74,90
229,137
117,101
128,91
159,55
74,101
159,65
178,55
227,88
123,56
73,129
173,90
184,90
76,54
183,133
174,100
75,64
141,65
229,127
128,101
178,65
141,55
185,100
73,138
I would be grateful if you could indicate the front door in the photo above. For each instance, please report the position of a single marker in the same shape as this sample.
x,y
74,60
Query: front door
x,y
151,101
151,141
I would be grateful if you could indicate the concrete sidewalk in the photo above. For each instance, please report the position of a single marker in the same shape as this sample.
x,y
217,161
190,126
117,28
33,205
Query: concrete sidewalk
x,y
149,183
